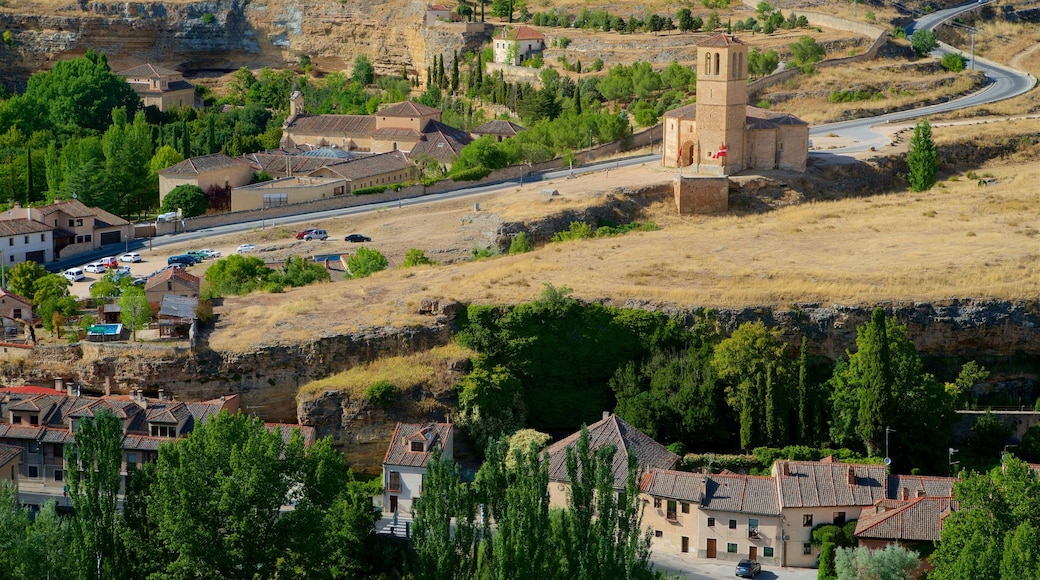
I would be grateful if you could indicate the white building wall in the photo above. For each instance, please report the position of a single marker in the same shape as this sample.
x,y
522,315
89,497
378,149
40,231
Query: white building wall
x,y
411,487
15,248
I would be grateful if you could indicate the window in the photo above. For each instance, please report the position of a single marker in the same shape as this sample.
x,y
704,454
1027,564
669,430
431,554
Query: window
x,y
79,239
658,533
10,241
34,471
34,447
43,237
275,200
806,548
59,475
86,238
72,223
731,548
657,502
26,238
79,222
733,524
807,520
767,551
395,481
671,510
685,508
164,431
752,528
417,446
711,522
16,313
839,518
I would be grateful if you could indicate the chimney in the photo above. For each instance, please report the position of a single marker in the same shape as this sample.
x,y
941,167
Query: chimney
x,y
162,395
606,415
68,390
108,386
786,468
59,385
906,494
852,475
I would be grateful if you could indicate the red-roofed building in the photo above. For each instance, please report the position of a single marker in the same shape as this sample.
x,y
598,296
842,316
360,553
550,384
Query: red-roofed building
x,y
160,87
404,465
173,281
519,44
59,230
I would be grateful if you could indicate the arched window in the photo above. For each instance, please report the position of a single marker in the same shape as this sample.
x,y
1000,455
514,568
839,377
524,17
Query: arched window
x,y
717,64
741,67
734,72
707,63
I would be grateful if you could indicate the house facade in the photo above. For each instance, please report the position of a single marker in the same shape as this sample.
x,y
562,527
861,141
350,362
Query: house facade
x,y
24,240
372,170
515,46
720,134
9,457
173,281
285,191
216,170
404,465
15,315
177,316
59,230
160,87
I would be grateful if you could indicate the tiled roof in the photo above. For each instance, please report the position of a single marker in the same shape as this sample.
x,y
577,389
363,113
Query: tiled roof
x,y
308,433
916,520
626,440
283,164
400,453
819,484
525,33
331,152
741,494
8,452
755,118
906,487
369,165
104,219
498,127
167,412
333,124
440,141
689,113
170,275
148,70
399,132
720,40
21,227
407,109
680,485
178,306
143,442
71,207
8,294
197,165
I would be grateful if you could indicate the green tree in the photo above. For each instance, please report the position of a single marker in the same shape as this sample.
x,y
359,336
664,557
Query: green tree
x,y
491,403
416,257
520,244
954,62
135,312
363,73
922,161
445,533
366,262
762,63
805,53
93,486
685,20
128,151
923,42
237,274
299,272
81,93
164,157
893,562
189,199
22,278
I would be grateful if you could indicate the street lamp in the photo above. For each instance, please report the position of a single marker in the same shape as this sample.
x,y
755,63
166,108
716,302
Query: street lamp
x,y
952,462
888,458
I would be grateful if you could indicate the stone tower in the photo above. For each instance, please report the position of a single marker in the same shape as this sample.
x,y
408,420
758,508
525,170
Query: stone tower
x,y
721,105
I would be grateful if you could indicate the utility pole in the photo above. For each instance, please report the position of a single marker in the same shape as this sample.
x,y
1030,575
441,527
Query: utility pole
x,y
888,458
971,31
952,462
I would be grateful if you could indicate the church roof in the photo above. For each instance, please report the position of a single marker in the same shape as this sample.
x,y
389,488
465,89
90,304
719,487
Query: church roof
x,y
720,40
407,109
689,112
498,127
148,70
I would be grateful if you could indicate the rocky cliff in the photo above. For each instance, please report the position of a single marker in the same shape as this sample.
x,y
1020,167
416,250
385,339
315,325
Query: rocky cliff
x,y
225,35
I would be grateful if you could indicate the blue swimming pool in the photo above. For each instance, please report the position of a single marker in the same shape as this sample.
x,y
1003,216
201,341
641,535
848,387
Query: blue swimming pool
x,y
105,329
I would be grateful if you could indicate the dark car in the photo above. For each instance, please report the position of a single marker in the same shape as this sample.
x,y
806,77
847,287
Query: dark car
x,y
357,238
748,568
303,233
182,259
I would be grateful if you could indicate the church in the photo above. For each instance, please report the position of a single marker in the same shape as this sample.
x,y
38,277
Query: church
x,y
720,134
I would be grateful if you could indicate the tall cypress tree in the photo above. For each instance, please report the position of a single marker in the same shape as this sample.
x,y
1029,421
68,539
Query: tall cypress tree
x,y
455,72
876,376
922,160
805,431
480,69
28,175
442,79
185,140
211,135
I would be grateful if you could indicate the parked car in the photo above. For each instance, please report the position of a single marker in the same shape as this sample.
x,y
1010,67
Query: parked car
x,y
140,281
317,235
246,248
209,253
95,268
109,261
197,254
303,233
357,238
748,568
73,274
120,273
130,257
182,259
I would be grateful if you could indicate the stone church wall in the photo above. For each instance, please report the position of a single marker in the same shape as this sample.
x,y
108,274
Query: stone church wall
x,y
701,195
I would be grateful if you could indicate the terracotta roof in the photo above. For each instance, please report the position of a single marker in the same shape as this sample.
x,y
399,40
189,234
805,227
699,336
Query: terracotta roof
x,y
71,207
340,125
407,109
498,127
167,412
907,487
285,430
148,70
667,483
440,141
764,118
197,165
282,163
400,452
104,219
525,33
369,165
916,520
741,494
689,112
7,293
397,132
819,484
8,452
626,440
170,275
21,227
720,40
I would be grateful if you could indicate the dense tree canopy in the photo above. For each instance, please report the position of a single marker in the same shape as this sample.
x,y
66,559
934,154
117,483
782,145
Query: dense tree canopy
x,y
189,199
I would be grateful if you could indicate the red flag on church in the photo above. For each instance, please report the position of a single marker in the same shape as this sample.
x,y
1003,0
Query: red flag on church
x,y
722,152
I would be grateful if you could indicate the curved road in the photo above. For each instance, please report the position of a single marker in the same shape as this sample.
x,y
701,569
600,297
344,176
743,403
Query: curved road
x,y
1002,83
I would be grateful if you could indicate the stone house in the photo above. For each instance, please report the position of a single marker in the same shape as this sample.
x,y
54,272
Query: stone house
x,y
42,421
626,440
25,240
498,129
15,313
216,170
9,457
721,134
404,465
159,87
173,281
438,12
63,229
285,191
371,170
515,46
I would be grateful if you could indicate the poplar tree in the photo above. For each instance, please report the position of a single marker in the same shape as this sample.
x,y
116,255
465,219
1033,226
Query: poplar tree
x,y
875,374
805,432
922,161
455,72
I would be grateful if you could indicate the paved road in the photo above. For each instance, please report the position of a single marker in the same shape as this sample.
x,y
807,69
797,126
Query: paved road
x,y
1002,83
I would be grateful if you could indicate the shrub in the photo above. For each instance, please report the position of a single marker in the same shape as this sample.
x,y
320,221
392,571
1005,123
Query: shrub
x,y
953,62
382,393
481,252
520,244
923,42
366,262
576,231
208,18
190,199
370,190
472,174
416,257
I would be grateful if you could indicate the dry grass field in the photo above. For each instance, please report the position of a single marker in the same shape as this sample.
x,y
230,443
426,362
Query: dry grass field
x,y
959,239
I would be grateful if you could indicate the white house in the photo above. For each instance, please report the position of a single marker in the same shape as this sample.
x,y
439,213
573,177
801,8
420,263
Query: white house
x,y
405,463
517,45
23,240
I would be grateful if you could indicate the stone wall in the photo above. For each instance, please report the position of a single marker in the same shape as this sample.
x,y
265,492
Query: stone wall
x,y
701,195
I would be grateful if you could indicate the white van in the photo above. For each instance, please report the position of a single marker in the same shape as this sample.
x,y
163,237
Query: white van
x,y
73,274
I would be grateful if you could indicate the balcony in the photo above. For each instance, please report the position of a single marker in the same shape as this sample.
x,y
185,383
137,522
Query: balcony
x,y
753,533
